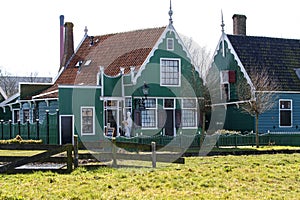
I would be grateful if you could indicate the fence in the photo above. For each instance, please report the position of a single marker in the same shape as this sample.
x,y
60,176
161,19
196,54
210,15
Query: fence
x,y
193,141
47,131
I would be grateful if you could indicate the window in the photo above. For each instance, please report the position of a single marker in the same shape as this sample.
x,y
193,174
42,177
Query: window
x,y
16,116
169,104
128,103
148,115
170,44
170,72
87,121
285,113
25,115
189,113
225,87
225,91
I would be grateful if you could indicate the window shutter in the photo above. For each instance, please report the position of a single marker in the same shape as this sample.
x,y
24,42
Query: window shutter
x,y
231,74
177,118
162,116
137,118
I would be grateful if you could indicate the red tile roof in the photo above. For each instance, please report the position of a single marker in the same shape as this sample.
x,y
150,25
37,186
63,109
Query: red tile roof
x,y
112,51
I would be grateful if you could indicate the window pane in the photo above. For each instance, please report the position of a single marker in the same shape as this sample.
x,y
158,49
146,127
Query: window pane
x,y
285,118
188,118
87,115
170,72
148,118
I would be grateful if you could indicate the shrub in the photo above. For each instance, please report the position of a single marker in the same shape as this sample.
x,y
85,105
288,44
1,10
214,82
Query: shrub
x,y
19,140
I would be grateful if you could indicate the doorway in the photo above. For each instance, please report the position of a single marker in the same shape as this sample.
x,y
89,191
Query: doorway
x,y
169,125
66,129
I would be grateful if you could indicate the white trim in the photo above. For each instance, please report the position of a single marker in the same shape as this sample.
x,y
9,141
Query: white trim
x,y
291,109
13,115
155,113
60,136
44,94
189,108
81,131
80,86
170,40
179,72
237,59
3,93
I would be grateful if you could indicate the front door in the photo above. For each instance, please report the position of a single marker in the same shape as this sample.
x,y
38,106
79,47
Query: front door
x,y
169,125
66,129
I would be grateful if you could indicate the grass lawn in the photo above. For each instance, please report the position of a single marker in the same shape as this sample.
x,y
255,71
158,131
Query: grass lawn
x,y
217,177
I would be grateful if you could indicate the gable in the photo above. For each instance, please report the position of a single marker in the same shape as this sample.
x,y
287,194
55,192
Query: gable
x,y
150,71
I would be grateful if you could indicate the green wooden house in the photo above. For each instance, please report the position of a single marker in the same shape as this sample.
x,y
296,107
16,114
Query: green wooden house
x,y
140,82
235,57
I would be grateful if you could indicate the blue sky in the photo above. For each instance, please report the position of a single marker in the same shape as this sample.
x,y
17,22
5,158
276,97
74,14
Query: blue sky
x,y
29,37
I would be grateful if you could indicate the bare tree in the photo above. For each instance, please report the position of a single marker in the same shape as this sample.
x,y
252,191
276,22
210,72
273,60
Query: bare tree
x,y
260,96
8,84
200,59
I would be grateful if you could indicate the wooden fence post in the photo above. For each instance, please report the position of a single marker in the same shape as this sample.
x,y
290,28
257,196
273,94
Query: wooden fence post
x,y
57,125
114,152
47,127
10,129
2,134
28,129
38,129
69,158
153,147
75,151
19,127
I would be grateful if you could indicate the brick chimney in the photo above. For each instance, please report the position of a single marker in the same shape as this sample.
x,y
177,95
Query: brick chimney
x,y
239,24
69,43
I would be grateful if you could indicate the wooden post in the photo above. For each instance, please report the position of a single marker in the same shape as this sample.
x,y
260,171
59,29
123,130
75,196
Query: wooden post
x,y
28,129
47,127
69,159
75,151
10,130
2,134
38,129
114,152
19,127
57,125
153,147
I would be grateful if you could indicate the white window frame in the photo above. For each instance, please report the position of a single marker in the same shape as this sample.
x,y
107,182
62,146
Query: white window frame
x,y
179,72
183,108
170,41
93,120
224,80
154,109
127,108
282,109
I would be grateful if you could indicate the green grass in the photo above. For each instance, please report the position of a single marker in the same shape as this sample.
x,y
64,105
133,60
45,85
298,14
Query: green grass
x,y
223,177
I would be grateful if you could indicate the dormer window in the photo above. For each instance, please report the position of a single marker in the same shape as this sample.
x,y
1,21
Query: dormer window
x,y
87,63
170,44
79,63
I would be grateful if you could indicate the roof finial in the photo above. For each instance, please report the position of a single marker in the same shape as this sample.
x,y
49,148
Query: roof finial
x,y
170,13
222,24
85,30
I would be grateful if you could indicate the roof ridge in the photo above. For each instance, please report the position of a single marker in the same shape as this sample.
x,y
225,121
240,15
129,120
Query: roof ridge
x,y
137,30
268,37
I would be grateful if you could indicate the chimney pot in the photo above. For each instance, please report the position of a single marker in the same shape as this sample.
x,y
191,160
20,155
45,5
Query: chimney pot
x,y
239,24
